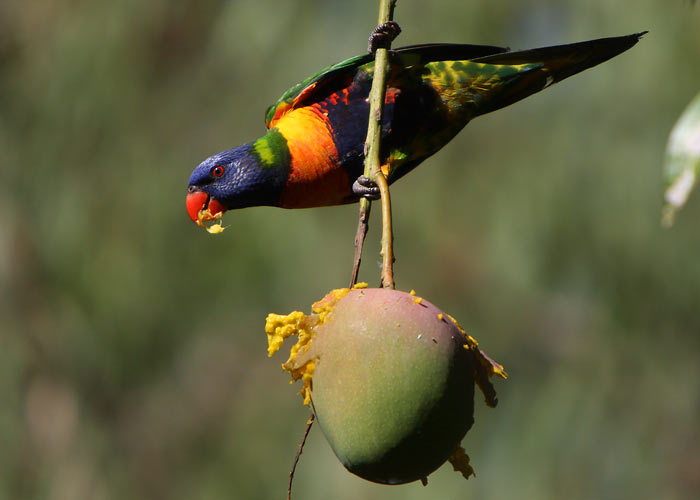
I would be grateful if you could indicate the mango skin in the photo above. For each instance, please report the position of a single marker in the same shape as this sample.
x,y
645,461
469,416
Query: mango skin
x,y
393,387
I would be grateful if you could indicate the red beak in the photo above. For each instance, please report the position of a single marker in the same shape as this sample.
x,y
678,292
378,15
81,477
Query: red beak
x,y
198,201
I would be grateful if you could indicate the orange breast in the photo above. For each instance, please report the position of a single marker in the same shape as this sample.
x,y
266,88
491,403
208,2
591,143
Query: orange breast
x,y
316,178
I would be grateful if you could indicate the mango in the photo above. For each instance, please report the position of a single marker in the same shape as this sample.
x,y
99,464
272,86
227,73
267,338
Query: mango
x,y
393,385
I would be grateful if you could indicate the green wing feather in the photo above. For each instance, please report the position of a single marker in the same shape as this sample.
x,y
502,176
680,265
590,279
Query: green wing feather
x,y
336,76
327,75
556,63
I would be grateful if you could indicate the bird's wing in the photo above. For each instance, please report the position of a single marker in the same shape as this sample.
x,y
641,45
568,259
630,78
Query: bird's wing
x,y
340,75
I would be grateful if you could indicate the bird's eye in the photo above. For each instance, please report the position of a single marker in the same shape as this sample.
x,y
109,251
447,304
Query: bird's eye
x,y
217,171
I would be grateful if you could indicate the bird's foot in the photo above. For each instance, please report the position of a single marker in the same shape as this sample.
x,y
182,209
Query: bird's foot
x,y
382,36
364,187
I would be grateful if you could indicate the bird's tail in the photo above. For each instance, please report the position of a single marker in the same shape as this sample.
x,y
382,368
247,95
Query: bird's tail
x,y
537,69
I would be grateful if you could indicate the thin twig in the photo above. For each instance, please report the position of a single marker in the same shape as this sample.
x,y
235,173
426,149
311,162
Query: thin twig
x,y
362,227
309,423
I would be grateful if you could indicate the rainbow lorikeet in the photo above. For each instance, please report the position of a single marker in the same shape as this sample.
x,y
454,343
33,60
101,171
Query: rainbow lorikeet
x,y
312,153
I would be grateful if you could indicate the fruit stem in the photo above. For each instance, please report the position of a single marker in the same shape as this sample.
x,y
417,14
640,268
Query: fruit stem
x,y
387,251
372,159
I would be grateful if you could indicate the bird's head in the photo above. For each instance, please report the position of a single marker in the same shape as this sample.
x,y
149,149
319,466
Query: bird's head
x,y
228,180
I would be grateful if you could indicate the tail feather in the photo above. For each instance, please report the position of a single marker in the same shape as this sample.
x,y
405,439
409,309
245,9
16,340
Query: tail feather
x,y
563,61
546,66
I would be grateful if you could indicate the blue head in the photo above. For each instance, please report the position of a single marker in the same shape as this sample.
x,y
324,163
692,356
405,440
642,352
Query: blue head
x,y
236,178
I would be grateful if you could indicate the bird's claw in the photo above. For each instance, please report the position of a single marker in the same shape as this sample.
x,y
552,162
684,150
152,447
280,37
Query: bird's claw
x,y
364,187
382,36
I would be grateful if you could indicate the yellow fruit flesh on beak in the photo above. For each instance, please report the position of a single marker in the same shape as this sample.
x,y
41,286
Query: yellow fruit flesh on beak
x,y
206,215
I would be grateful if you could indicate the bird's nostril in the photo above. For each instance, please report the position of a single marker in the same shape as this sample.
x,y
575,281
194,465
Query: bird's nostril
x,y
191,189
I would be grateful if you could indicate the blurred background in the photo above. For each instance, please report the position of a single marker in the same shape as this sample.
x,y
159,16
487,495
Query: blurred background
x,y
132,347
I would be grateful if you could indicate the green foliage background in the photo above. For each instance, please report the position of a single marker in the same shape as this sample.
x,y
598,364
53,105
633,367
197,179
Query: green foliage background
x,y
132,352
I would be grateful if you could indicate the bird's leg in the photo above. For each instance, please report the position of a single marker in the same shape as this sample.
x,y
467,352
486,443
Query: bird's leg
x,y
364,187
382,36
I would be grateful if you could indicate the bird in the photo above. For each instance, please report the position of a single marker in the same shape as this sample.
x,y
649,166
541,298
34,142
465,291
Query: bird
x,y
312,154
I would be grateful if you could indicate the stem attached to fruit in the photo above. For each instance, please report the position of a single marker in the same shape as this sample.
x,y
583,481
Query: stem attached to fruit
x,y
372,159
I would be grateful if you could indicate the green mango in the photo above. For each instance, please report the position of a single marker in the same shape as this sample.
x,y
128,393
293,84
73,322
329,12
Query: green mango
x,y
393,385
